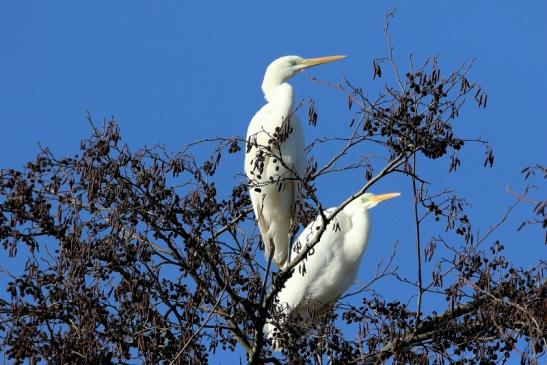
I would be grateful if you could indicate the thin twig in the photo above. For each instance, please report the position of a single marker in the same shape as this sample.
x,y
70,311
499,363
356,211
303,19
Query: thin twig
x,y
418,242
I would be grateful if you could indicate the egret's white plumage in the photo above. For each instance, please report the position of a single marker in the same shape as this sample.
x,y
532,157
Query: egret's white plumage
x,y
272,171
334,264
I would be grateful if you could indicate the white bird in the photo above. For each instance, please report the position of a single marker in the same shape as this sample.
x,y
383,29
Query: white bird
x,y
270,167
321,278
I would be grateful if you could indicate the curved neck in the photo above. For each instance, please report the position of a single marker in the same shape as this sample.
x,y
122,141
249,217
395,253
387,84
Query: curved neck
x,y
269,86
357,243
273,79
279,96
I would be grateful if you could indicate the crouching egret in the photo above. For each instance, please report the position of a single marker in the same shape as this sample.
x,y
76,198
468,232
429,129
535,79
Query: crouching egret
x,y
333,266
272,167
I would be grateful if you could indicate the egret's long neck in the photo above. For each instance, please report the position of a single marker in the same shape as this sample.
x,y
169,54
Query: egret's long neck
x,y
360,232
272,82
280,99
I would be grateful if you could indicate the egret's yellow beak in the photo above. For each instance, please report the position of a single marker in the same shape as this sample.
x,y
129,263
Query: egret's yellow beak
x,y
382,197
319,60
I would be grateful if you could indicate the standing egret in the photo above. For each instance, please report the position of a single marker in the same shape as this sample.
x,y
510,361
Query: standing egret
x,y
275,154
332,267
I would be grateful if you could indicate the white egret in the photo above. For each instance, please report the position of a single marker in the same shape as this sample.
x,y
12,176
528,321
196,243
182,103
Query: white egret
x,y
333,266
272,169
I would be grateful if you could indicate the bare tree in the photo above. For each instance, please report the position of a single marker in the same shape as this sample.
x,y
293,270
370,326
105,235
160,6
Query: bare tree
x,y
141,255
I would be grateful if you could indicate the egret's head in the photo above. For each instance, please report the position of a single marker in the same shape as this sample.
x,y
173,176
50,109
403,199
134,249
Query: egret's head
x,y
370,200
282,69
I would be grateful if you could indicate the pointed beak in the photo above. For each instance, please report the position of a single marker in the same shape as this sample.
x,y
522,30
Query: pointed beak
x,y
382,197
310,62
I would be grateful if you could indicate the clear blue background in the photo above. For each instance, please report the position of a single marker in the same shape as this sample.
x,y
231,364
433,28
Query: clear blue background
x,y
172,72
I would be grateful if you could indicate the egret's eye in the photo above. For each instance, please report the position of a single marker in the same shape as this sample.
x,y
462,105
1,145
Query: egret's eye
x,y
293,63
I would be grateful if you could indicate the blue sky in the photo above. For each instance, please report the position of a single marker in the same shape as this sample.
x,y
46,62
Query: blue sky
x,y
172,72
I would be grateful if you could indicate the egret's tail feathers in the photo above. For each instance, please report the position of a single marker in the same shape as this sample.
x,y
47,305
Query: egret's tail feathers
x,y
276,240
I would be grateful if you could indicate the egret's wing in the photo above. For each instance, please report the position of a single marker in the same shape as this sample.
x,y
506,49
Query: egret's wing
x,y
258,134
271,194
255,139
298,146
256,200
310,276
294,291
296,154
